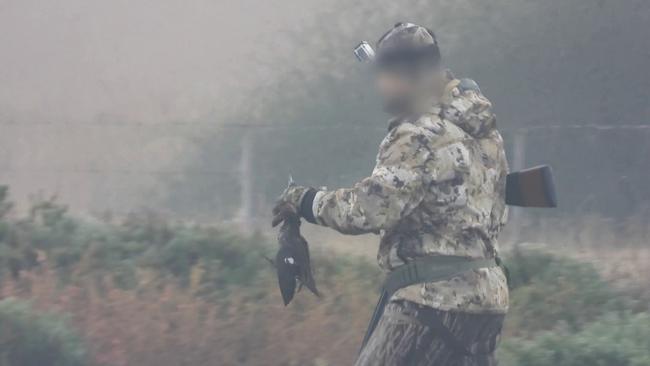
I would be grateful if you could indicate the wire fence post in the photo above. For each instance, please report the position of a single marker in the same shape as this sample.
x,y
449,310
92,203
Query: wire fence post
x,y
246,183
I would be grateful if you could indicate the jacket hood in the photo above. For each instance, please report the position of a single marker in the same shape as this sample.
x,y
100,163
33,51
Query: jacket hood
x,y
464,105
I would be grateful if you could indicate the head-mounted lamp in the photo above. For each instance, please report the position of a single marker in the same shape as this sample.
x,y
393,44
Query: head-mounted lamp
x,y
364,52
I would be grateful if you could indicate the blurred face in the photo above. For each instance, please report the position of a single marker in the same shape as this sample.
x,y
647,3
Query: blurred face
x,y
397,91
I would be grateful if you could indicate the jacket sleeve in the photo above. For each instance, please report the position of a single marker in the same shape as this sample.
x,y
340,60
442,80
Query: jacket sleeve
x,y
381,200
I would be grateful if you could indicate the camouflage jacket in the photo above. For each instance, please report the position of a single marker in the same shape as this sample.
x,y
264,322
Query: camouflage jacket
x,y
437,189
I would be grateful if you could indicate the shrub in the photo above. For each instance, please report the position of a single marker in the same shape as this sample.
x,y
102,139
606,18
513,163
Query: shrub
x,y
214,261
550,290
29,338
620,340
79,249
170,326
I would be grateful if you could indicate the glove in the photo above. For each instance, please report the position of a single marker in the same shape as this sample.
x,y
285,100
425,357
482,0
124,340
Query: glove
x,y
301,198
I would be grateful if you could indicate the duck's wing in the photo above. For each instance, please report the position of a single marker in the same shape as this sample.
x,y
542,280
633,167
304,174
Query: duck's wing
x,y
306,274
286,267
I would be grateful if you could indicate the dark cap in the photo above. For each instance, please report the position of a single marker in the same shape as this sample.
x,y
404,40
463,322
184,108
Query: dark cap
x,y
408,43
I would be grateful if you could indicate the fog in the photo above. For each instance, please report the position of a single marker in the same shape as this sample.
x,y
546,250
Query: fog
x,y
120,105
143,61
82,82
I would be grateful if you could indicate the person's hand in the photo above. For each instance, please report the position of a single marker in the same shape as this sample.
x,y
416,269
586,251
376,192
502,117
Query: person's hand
x,y
284,211
291,197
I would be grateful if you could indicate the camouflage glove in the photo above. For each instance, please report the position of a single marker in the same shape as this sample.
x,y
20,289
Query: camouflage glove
x,y
301,198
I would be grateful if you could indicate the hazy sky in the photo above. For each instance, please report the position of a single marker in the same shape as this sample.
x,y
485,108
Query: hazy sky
x,y
142,60
86,62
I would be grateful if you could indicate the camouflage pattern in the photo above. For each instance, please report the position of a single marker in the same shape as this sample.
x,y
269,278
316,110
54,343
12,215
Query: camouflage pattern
x,y
292,195
408,334
437,189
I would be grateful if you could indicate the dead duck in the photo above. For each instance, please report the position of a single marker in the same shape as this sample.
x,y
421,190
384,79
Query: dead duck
x,y
292,261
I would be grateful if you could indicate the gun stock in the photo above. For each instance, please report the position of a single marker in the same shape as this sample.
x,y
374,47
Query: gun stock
x,y
533,187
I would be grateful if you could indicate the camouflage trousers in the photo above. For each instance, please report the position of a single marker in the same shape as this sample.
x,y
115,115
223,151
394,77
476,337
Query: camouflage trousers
x,y
410,335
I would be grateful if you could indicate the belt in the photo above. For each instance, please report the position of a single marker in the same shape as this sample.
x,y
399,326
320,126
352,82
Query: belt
x,y
422,270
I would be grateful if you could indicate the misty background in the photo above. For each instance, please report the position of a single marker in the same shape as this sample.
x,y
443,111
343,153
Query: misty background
x,y
165,129
199,110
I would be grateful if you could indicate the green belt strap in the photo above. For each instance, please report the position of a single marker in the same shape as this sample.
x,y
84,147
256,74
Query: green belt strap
x,y
422,270
432,269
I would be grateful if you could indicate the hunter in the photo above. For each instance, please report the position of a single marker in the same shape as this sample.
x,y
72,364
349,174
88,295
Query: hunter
x,y
436,198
